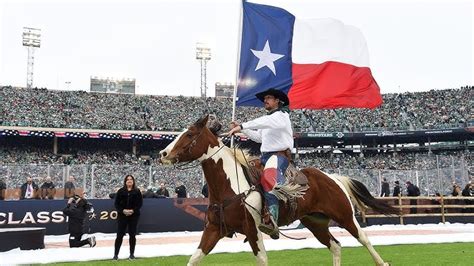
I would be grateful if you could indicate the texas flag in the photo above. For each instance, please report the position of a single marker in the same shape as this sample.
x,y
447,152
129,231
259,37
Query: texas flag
x,y
319,63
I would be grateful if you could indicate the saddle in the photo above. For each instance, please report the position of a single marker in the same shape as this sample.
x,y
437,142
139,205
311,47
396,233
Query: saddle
x,y
292,174
294,187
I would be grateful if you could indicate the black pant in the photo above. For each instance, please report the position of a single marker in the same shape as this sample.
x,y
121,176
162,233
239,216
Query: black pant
x,y
122,223
413,202
75,241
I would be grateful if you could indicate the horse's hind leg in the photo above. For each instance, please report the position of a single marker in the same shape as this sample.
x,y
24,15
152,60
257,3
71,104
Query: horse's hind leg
x,y
209,239
318,225
355,230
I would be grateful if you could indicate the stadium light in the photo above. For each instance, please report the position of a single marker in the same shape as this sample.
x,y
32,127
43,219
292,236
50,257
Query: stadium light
x,y
31,40
203,54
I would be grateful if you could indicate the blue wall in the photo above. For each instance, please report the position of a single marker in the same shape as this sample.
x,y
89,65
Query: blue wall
x,y
157,215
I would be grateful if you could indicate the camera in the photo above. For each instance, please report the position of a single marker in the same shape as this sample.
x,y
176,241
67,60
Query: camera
x,y
75,198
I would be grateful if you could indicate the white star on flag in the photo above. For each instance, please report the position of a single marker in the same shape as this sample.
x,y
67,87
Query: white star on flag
x,y
266,58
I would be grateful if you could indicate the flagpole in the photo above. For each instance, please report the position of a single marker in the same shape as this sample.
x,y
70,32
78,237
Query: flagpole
x,y
237,66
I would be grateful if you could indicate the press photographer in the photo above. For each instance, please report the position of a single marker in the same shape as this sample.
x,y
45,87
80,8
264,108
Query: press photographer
x,y
77,209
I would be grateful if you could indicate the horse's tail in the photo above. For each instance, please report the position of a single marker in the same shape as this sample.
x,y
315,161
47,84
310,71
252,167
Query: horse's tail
x,y
361,197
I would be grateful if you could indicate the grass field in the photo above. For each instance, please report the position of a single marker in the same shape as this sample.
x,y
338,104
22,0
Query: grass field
x,y
410,255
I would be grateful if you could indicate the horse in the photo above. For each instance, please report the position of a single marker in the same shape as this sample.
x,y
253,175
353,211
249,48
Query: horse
x,y
234,204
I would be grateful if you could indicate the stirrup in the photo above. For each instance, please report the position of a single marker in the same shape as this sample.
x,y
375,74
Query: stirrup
x,y
270,229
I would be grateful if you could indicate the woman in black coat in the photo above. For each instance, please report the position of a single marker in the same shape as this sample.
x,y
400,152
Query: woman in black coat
x,y
128,202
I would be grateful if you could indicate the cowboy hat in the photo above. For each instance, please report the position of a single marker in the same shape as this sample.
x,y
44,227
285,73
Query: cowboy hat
x,y
280,95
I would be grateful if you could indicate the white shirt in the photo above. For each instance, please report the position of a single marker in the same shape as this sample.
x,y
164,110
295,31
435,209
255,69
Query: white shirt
x,y
29,191
273,131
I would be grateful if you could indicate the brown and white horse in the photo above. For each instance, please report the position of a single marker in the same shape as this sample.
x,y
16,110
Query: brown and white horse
x,y
234,206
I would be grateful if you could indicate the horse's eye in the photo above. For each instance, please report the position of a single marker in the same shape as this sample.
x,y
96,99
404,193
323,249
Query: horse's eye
x,y
189,135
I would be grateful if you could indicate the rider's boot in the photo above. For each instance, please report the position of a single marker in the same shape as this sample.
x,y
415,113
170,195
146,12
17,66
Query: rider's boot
x,y
270,227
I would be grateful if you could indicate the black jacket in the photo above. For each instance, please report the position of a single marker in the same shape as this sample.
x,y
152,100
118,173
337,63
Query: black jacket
x,y
125,199
3,188
385,189
413,191
149,195
163,192
205,191
181,192
396,191
69,190
76,214
24,188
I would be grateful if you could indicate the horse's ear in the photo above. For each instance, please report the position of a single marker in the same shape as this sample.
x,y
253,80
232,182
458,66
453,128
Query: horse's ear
x,y
214,126
202,122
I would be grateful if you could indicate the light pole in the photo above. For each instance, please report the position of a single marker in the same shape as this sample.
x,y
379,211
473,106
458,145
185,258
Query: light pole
x,y
31,40
203,54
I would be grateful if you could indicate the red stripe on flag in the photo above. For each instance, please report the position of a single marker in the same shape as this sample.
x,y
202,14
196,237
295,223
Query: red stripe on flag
x,y
333,85
94,135
23,132
156,136
60,134
126,136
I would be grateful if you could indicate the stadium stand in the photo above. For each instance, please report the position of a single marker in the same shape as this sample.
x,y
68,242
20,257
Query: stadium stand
x,y
99,166
79,109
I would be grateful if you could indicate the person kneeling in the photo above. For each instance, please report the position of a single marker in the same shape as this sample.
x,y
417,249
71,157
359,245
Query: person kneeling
x,y
76,210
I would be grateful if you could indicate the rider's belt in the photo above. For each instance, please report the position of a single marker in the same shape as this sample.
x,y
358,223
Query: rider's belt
x,y
286,153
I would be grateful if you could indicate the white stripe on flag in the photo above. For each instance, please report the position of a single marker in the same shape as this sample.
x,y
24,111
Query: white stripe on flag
x,y
316,41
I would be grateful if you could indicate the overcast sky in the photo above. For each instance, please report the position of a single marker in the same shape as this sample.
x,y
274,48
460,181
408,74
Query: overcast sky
x,y
413,45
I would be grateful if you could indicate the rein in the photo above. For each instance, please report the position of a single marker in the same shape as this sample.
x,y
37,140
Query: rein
x,y
220,207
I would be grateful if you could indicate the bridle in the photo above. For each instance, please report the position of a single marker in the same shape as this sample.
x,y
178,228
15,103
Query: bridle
x,y
188,165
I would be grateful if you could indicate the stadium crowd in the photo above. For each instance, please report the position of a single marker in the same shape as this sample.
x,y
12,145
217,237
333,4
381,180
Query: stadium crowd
x,y
79,109
104,170
107,167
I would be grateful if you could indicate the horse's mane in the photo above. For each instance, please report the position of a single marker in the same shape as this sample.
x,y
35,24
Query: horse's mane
x,y
242,156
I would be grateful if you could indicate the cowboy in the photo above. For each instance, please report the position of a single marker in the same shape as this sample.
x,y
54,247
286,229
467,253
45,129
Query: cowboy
x,y
275,133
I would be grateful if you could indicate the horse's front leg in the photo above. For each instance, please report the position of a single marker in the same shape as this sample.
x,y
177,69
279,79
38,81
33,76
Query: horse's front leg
x,y
255,237
209,239
256,243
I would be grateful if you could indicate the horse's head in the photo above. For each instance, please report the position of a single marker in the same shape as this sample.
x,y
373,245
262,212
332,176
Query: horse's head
x,y
189,145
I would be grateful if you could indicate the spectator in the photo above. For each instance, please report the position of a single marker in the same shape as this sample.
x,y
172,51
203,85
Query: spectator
x,y
69,188
3,189
456,190
128,203
205,190
149,194
181,191
385,189
412,191
396,189
76,209
29,190
47,189
39,108
162,191
467,192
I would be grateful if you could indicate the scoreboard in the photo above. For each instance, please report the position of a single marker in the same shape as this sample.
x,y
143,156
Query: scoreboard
x,y
224,90
111,85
